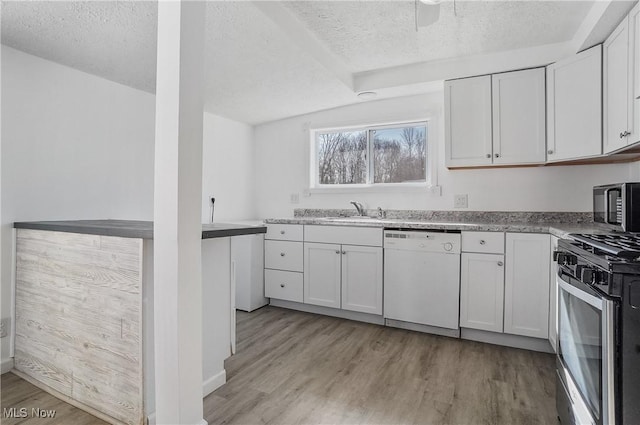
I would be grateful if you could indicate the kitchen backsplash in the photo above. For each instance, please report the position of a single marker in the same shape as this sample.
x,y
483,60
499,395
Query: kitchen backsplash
x,y
459,216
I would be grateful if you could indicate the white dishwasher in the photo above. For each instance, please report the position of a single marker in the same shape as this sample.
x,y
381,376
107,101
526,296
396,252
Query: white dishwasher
x,y
422,279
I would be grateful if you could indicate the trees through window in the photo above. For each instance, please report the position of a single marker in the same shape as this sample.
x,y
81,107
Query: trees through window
x,y
373,155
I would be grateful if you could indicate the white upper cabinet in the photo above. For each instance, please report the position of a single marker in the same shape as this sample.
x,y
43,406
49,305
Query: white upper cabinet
x,y
467,105
496,119
519,117
617,96
574,106
634,39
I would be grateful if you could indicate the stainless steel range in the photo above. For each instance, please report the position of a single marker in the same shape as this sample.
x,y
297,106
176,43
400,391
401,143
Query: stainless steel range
x,y
598,346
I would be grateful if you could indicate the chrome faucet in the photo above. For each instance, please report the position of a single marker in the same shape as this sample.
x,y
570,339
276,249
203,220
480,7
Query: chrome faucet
x,y
359,208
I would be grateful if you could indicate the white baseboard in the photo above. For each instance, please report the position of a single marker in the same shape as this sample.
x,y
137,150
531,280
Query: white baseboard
x,y
6,365
208,386
328,311
515,341
213,383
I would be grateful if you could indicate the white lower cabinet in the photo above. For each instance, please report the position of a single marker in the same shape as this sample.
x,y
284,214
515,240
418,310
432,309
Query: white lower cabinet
x,y
322,274
482,291
362,279
553,295
526,289
506,291
283,285
343,276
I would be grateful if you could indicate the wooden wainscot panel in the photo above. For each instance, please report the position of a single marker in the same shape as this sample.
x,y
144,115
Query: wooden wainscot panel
x,y
79,319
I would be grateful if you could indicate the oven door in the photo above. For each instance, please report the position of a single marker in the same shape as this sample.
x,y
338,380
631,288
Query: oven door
x,y
586,351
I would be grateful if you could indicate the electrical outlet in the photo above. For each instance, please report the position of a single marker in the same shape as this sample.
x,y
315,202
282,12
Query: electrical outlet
x,y
460,201
295,198
4,327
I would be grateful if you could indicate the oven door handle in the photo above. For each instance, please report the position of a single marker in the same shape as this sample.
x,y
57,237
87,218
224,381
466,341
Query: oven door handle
x,y
576,292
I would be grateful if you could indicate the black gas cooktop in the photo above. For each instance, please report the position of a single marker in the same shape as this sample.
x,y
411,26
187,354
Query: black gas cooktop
x,y
625,246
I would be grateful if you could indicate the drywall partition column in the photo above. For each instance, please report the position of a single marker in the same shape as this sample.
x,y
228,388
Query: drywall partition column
x,y
177,227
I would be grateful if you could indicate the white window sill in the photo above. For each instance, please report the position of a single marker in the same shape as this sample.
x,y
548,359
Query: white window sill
x,y
376,188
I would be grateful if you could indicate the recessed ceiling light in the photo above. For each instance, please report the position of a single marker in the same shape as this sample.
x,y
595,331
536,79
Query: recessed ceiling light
x,y
367,95
431,2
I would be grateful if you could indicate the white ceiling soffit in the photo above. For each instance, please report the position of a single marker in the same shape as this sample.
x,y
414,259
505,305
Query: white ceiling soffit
x,y
271,60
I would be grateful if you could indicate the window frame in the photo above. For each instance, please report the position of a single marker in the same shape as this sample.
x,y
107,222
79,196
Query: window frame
x,y
316,187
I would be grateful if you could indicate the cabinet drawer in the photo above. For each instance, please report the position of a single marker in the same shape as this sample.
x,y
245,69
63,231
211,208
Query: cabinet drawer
x,y
343,235
485,242
284,232
283,285
283,255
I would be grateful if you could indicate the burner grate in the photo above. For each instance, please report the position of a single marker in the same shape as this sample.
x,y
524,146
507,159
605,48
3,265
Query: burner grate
x,y
620,245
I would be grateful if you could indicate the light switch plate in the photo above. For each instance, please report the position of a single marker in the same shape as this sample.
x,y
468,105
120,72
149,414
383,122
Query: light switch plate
x,y
295,198
460,201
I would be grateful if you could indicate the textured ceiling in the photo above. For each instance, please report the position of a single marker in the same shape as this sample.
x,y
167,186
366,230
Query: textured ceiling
x,y
378,34
113,39
257,70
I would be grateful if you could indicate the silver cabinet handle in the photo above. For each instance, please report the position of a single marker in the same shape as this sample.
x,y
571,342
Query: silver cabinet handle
x,y
500,263
482,242
282,285
282,232
497,155
550,151
337,252
488,155
282,254
624,134
344,252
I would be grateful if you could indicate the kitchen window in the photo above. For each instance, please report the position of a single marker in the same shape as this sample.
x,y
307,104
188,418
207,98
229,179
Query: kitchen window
x,y
373,156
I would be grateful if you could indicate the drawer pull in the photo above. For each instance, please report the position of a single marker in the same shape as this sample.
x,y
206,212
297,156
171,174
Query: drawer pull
x,y
482,242
282,285
282,232
500,264
282,254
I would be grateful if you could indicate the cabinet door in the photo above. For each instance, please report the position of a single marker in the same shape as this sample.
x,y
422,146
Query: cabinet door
x,y
574,106
467,118
615,88
482,291
634,41
553,296
519,117
322,274
526,288
362,279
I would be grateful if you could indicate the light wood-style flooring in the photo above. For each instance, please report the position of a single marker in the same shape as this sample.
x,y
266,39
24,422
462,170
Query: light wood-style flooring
x,y
18,393
300,368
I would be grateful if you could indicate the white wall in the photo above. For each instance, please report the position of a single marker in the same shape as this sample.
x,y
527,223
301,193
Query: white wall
x,y
227,172
76,146
282,157
73,146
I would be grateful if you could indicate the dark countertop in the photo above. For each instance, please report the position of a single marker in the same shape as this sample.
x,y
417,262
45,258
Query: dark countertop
x,y
134,228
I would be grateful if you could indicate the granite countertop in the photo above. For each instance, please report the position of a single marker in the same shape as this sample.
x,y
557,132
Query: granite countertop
x,y
560,230
134,228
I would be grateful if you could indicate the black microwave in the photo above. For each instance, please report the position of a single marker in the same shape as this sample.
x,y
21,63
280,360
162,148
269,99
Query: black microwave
x,y
617,205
